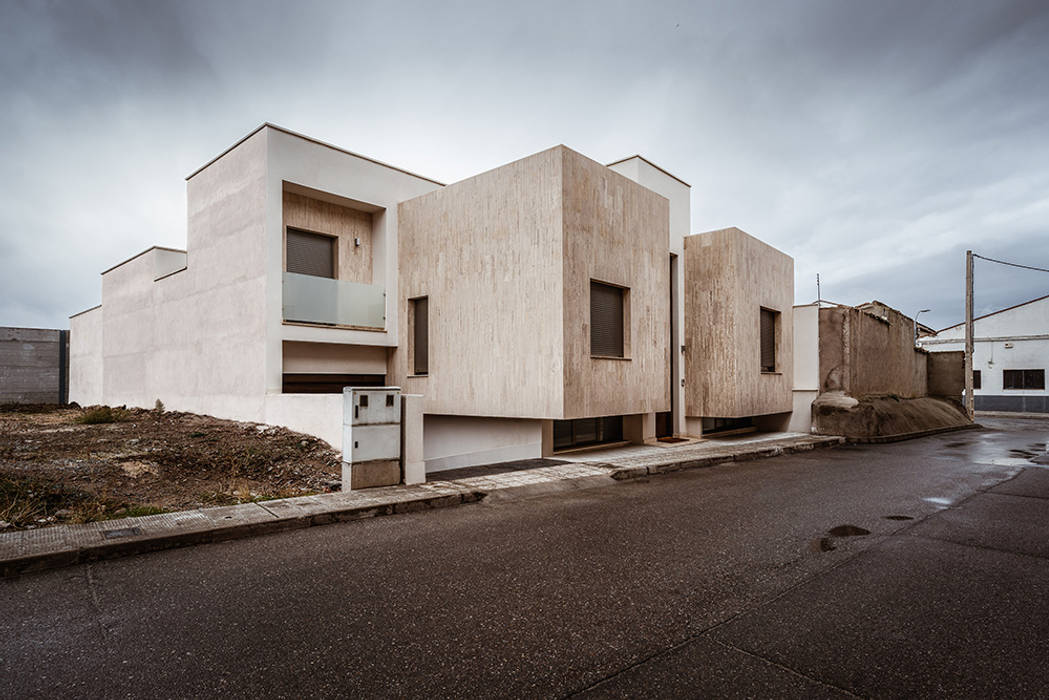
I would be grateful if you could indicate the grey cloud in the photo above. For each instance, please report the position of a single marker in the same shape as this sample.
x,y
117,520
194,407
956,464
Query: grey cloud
x,y
872,141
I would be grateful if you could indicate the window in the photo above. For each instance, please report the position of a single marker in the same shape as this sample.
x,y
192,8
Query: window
x,y
1023,379
769,319
587,431
311,253
420,320
300,383
976,379
606,320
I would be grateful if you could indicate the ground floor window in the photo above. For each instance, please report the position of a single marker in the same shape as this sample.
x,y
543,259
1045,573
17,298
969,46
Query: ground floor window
x,y
587,431
724,425
295,383
1023,379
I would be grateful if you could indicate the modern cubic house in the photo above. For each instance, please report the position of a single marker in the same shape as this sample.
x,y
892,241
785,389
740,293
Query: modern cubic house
x,y
1010,356
546,305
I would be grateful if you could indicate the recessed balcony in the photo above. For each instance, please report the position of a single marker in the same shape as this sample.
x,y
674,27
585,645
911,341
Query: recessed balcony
x,y
332,302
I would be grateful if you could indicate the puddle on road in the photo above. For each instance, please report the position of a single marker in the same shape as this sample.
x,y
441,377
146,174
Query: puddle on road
x,y
898,517
938,501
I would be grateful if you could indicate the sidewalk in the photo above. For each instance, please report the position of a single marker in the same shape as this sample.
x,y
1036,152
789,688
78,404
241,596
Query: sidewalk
x,y
65,545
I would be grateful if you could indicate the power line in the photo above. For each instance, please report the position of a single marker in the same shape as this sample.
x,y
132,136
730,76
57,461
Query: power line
x,y
1002,262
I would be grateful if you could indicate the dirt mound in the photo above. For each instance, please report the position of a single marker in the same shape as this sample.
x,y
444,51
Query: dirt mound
x,y
883,416
76,465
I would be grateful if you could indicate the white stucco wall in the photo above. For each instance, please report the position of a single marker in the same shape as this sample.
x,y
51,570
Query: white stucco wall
x,y
1016,338
450,442
85,357
806,366
680,196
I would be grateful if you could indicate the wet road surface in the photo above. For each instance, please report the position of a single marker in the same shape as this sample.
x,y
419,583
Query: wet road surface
x,y
885,570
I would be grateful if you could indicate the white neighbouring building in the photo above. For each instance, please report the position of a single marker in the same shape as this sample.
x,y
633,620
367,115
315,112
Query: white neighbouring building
x,y
547,304
1010,356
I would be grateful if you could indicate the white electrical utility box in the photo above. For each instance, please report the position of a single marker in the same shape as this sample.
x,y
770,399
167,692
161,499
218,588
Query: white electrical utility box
x,y
371,437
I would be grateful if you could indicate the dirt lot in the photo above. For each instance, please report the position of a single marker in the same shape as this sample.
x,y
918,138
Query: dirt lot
x,y
56,466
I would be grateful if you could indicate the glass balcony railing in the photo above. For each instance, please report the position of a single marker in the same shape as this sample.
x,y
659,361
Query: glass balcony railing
x,y
312,299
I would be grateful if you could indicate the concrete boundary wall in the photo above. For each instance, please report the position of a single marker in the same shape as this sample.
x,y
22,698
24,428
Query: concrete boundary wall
x,y
862,354
34,365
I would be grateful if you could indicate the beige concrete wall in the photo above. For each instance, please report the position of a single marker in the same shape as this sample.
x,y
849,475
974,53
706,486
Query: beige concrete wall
x,y
85,357
345,224
729,277
862,354
333,358
615,231
487,252
450,442
196,339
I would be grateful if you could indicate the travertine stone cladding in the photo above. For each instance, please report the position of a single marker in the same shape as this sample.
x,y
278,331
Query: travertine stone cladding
x,y
506,259
345,224
729,277
615,231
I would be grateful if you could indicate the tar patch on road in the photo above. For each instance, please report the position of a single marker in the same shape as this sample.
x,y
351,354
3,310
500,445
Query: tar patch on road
x,y
827,544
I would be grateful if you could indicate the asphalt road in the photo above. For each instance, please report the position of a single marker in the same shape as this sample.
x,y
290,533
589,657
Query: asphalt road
x,y
725,581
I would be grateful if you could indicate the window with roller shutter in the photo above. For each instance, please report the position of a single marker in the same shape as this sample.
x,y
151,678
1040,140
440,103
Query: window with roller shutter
x,y
420,335
311,253
768,340
606,320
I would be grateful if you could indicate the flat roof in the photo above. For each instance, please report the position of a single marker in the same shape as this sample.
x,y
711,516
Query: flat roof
x,y
296,134
79,313
641,157
138,255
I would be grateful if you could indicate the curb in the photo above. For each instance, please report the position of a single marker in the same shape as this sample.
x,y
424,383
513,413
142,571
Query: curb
x,y
67,545
900,437
626,473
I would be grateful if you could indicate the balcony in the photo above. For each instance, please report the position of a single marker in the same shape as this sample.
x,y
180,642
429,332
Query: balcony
x,y
312,299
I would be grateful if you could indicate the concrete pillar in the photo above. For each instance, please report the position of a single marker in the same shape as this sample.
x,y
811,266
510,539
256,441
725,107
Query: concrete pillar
x,y
412,430
548,438
639,427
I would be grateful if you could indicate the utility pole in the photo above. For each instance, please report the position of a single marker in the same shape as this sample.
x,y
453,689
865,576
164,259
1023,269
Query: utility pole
x,y
969,401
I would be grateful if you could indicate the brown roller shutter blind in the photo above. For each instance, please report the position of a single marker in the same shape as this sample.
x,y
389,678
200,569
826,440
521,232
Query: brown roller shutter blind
x,y
421,335
606,320
768,340
310,254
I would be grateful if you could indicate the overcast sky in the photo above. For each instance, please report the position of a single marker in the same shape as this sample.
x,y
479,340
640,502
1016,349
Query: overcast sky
x,y
873,141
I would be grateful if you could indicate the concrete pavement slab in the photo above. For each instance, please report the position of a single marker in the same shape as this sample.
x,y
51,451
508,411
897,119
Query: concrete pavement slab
x,y
703,668
912,617
1032,482
1010,523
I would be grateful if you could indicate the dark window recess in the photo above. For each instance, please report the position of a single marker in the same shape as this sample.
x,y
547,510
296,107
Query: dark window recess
x,y
311,253
606,320
722,425
768,340
328,383
421,335
976,379
1023,379
587,431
